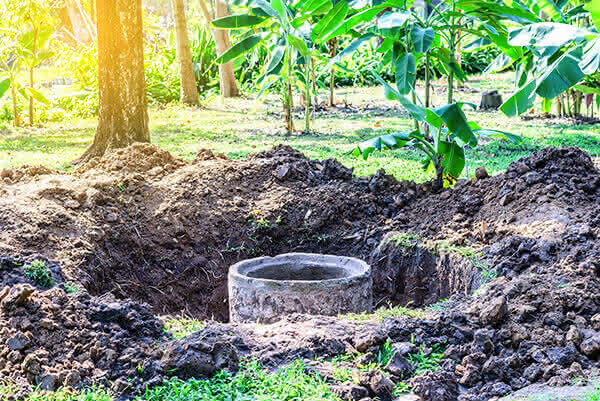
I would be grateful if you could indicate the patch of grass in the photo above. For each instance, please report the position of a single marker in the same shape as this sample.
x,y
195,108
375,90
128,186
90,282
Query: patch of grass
x,y
425,363
400,389
438,306
181,326
406,240
466,252
252,382
384,313
39,274
92,394
594,395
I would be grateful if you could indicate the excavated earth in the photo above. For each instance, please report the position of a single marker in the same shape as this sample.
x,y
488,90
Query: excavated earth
x,y
145,234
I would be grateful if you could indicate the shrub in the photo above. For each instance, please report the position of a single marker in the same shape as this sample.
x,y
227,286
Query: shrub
x,y
39,274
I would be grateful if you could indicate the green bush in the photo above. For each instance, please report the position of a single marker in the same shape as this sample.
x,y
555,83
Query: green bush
x,y
477,61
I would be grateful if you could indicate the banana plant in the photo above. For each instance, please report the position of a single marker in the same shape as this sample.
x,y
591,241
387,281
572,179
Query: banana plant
x,y
14,55
291,37
550,55
445,149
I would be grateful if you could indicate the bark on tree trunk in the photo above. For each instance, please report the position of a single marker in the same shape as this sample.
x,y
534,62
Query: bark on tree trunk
x,y
227,83
189,90
123,112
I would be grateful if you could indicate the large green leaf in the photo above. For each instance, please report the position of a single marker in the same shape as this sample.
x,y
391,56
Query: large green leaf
x,y
241,47
546,34
266,8
237,21
298,44
557,78
393,19
416,112
351,48
37,95
275,60
453,158
455,120
561,75
316,7
520,101
421,38
593,7
330,22
4,85
391,141
590,62
406,73
282,9
356,19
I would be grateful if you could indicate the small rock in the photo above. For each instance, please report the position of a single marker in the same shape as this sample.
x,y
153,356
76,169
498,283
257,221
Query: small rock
x,y
481,173
282,171
382,386
72,204
111,217
48,382
494,312
591,346
574,336
18,342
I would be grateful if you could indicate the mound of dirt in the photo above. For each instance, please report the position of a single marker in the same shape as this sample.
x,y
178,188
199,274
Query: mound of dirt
x,y
165,232
53,339
137,158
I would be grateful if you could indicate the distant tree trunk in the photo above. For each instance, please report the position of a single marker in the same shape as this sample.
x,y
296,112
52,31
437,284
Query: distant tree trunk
x,y
123,111
31,78
189,90
332,53
227,82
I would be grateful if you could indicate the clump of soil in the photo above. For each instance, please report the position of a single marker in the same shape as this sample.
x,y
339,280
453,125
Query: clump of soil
x,y
53,339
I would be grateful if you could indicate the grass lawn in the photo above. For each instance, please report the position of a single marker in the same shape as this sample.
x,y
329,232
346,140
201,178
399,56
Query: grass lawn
x,y
237,127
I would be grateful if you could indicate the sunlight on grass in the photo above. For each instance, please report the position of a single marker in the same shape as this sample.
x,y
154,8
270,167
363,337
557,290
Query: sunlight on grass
x,y
238,127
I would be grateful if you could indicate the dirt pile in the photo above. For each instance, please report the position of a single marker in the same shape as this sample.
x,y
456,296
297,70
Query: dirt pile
x,y
137,158
146,226
53,339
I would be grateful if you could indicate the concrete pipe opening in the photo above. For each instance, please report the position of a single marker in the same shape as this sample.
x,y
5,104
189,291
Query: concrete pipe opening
x,y
268,288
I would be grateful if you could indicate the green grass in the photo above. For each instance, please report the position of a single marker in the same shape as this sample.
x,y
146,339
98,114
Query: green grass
x,y
252,382
92,394
384,313
237,127
181,326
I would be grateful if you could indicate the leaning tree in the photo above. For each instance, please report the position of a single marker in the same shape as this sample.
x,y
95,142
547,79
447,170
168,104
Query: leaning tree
x,y
123,111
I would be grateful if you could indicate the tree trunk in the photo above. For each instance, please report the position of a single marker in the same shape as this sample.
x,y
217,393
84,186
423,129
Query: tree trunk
x,y
123,111
189,90
31,79
227,83
13,93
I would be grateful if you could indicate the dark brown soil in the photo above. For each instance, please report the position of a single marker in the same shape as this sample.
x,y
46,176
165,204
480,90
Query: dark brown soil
x,y
141,225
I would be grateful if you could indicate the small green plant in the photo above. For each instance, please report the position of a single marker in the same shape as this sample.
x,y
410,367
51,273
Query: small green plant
x,y
181,327
401,388
406,240
443,134
39,274
341,371
71,288
385,354
424,362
